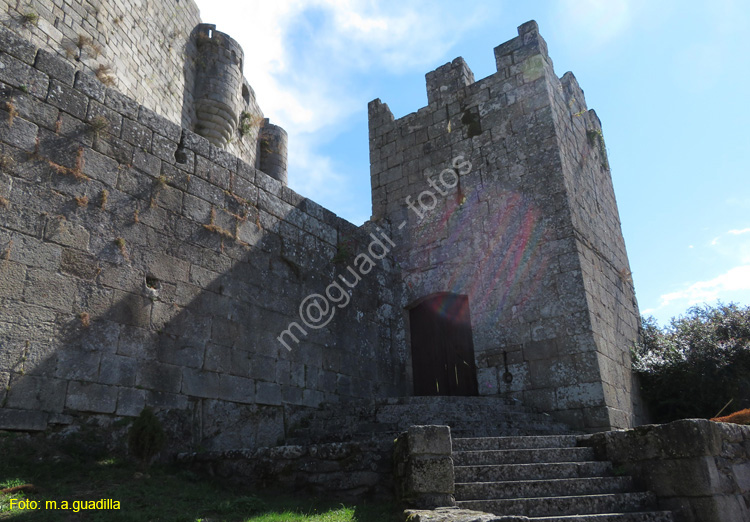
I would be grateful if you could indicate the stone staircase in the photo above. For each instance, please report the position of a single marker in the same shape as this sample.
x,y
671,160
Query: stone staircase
x,y
545,478
386,418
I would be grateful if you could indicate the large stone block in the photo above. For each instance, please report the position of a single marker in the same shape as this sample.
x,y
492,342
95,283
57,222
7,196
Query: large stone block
x,y
22,420
54,66
429,440
49,289
117,370
17,132
17,46
78,365
66,233
89,397
68,99
268,393
159,377
19,74
200,383
130,401
34,393
431,475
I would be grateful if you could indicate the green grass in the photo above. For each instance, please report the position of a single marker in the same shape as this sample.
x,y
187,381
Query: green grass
x,y
78,471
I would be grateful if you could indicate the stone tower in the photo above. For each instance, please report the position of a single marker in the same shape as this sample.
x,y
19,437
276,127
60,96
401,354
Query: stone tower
x,y
224,106
499,192
218,82
273,147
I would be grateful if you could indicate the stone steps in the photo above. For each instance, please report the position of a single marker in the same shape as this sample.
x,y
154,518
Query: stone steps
x,y
568,505
647,516
545,478
502,443
541,471
544,488
522,456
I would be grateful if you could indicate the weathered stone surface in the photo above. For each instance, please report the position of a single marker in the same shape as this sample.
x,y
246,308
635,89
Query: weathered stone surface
x,y
68,99
347,470
93,398
23,76
429,440
453,514
23,420
431,475
55,67
18,133
698,468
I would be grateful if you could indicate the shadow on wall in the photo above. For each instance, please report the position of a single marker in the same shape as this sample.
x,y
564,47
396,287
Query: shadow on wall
x,y
129,278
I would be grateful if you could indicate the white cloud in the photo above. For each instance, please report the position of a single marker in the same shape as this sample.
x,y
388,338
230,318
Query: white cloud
x,y
736,279
302,58
731,245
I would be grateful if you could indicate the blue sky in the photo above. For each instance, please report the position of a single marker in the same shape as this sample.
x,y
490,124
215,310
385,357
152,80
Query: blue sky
x,y
669,82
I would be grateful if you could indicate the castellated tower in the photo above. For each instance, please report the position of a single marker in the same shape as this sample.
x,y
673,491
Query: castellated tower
x,y
218,83
500,202
273,146
226,112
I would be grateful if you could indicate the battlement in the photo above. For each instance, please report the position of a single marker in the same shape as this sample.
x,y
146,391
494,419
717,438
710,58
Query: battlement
x,y
448,79
206,34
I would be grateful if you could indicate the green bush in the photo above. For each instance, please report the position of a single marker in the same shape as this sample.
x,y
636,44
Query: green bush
x,y
696,365
146,437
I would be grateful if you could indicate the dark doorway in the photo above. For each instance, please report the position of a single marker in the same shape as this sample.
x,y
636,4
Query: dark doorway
x,y
442,347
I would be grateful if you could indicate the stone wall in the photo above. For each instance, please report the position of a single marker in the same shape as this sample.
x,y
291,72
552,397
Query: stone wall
x,y
147,50
143,41
698,469
347,471
499,190
140,265
609,291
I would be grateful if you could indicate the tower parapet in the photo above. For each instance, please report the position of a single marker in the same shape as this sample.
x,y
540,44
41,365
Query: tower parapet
x,y
448,79
273,148
218,84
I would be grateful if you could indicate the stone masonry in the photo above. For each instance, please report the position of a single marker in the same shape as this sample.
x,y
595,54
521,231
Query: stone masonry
x,y
142,265
500,190
145,264
156,52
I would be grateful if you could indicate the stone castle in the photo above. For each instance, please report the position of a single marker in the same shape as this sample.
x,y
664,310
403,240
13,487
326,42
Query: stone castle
x,y
152,253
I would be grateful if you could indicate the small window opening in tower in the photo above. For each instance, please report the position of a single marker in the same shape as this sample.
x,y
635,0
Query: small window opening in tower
x,y
246,94
210,33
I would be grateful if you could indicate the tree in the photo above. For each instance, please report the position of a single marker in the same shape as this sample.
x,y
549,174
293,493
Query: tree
x,y
696,365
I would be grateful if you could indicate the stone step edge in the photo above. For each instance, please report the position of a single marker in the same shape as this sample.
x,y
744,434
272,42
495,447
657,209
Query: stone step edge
x,y
644,502
567,453
600,516
541,481
578,486
575,463
514,438
572,435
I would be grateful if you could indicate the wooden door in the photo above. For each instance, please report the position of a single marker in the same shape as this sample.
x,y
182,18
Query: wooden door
x,y
442,347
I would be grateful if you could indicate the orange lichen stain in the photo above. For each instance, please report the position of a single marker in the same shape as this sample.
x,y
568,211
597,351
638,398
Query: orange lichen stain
x,y
740,417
